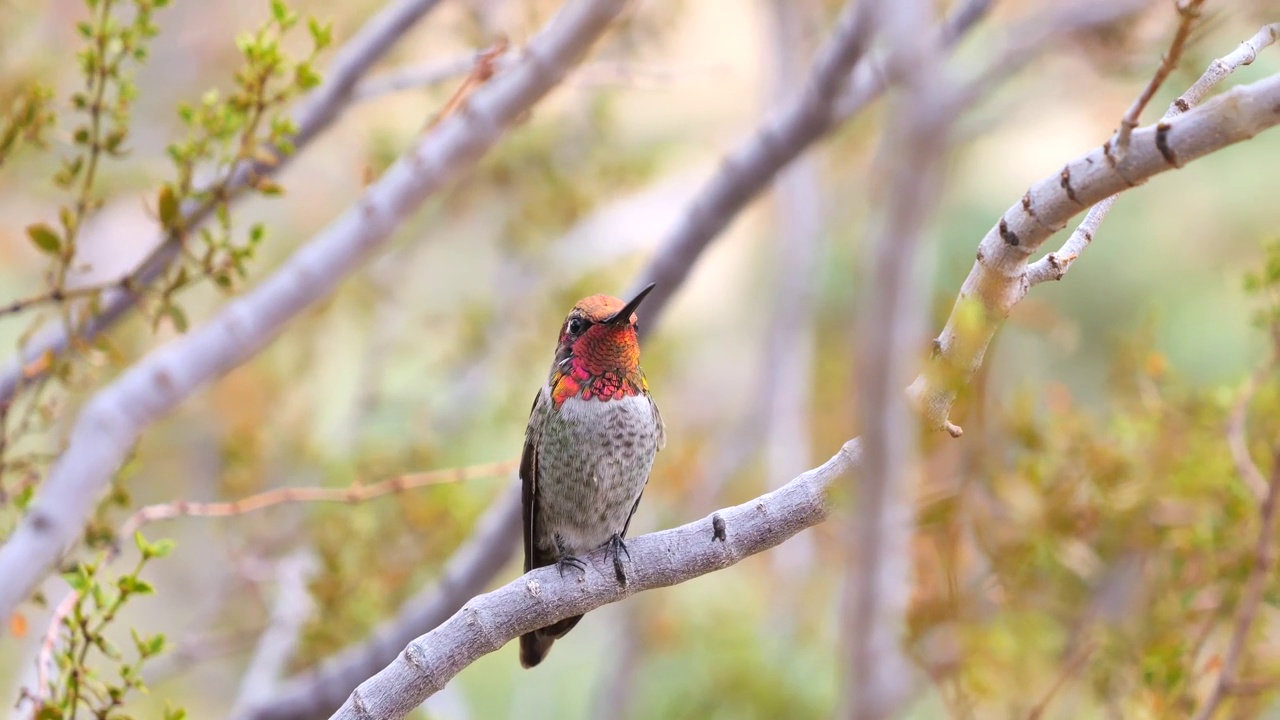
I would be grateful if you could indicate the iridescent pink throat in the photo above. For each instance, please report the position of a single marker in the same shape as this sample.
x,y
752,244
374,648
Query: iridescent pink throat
x,y
608,385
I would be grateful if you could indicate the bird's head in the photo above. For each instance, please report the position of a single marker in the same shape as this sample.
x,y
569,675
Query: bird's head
x,y
598,354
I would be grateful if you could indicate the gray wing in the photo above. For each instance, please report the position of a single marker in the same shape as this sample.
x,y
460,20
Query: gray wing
x,y
529,479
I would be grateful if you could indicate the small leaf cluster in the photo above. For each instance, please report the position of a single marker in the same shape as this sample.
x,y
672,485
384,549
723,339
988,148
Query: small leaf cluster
x,y
234,137
243,134
28,117
112,48
94,675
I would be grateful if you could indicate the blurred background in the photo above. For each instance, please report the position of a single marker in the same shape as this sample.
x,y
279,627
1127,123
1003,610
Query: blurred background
x,y
428,358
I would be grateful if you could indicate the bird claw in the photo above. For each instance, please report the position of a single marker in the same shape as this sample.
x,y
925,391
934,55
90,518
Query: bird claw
x,y
617,548
570,561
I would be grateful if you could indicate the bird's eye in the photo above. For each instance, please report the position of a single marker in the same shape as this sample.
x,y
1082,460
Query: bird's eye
x,y
575,326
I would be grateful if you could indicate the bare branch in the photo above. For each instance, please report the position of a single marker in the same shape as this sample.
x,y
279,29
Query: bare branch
x,y
999,278
1055,265
113,420
590,74
1189,13
1219,69
314,114
1238,435
350,495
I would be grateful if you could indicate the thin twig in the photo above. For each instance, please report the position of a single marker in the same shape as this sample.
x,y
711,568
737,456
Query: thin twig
x,y
484,68
592,74
49,643
350,495
1189,13
1251,597
1238,435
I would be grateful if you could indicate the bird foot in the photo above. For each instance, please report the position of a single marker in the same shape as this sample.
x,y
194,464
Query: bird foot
x,y
617,549
570,561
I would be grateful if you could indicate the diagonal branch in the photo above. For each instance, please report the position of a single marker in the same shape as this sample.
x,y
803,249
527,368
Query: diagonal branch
x,y
1056,264
1000,278
673,556
749,168
1189,13
314,114
114,418
661,559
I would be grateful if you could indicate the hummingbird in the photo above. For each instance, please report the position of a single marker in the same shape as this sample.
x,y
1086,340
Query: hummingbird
x,y
592,435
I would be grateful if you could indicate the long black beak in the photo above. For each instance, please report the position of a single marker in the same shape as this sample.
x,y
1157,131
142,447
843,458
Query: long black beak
x,y
623,316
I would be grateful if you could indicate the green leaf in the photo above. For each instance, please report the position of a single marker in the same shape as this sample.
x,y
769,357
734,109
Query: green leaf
x,y
134,585
78,580
321,35
268,187
167,205
144,547
177,316
45,238
305,76
162,548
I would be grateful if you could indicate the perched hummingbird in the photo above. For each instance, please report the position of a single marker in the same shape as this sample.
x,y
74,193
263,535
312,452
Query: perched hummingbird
x,y
592,435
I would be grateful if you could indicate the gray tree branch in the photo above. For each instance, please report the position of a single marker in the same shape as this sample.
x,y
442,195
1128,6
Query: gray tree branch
x,y
999,280
661,559
747,170
1054,266
116,416
314,114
